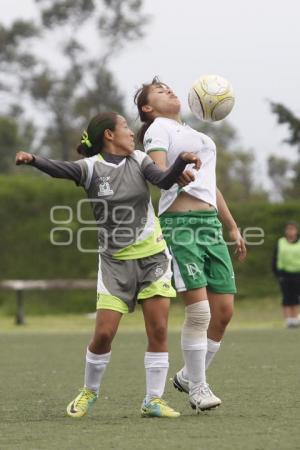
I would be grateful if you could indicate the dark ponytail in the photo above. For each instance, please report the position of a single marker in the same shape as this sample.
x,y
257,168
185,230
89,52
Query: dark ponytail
x,y
141,99
142,131
92,139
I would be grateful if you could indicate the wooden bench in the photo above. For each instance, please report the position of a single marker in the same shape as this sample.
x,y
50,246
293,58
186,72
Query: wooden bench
x,y
19,286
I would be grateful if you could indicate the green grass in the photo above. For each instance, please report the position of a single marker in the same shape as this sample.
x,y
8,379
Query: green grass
x,y
256,374
250,313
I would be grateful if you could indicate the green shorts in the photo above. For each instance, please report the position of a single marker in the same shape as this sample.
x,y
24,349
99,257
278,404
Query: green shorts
x,y
121,283
200,254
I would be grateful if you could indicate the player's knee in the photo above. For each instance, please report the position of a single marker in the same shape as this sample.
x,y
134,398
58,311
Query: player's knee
x,y
158,332
226,316
222,321
197,316
103,336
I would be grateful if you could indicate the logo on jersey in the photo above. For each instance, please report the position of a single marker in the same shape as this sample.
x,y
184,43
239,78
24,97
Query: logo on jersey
x,y
104,187
158,271
193,270
148,141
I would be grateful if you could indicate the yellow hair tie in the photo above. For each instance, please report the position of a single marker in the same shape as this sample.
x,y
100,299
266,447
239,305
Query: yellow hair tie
x,y
85,139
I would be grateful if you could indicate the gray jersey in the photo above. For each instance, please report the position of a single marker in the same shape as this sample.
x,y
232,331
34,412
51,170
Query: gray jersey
x,y
120,198
122,206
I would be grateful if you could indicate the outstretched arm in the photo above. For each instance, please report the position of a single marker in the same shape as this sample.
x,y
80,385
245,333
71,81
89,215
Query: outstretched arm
x,y
58,169
230,224
160,159
164,179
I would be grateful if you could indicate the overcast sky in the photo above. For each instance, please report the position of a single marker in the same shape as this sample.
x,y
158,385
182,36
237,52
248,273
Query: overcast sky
x,y
256,45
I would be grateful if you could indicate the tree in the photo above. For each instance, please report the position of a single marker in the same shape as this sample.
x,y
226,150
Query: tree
x,y
12,138
15,59
278,169
284,173
66,91
235,166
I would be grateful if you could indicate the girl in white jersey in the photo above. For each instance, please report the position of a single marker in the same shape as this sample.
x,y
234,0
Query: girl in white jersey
x,y
133,262
202,267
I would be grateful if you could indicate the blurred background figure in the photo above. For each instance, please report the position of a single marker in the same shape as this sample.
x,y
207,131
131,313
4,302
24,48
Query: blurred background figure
x,y
286,267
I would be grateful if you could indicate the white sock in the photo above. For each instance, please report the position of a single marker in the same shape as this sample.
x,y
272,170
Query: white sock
x,y
212,348
94,369
156,365
292,321
194,341
184,373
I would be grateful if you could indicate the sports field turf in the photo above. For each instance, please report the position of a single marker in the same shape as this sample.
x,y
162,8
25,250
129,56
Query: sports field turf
x,y
256,374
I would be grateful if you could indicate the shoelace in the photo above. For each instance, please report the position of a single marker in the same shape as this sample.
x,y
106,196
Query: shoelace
x,y
85,395
160,401
205,390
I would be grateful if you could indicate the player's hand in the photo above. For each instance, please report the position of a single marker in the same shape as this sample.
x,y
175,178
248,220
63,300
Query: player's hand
x,y
185,178
24,158
240,247
192,159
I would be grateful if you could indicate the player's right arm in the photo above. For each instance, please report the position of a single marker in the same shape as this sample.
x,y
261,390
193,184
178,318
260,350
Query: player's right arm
x,y
58,169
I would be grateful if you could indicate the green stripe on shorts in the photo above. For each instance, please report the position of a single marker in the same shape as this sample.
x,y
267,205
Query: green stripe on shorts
x,y
106,301
161,287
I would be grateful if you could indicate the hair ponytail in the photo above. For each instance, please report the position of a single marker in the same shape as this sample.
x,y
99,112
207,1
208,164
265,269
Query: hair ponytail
x,y
92,139
83,150
142,131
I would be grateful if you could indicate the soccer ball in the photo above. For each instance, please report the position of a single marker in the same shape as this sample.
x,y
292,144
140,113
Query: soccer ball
x,y
211,98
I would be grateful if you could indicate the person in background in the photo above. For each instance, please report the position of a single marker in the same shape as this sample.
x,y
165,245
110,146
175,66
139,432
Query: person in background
x,y
286,268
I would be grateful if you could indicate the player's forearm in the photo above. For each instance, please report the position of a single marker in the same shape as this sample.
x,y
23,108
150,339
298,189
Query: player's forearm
x,y
165,179
58,169
224,213
160,159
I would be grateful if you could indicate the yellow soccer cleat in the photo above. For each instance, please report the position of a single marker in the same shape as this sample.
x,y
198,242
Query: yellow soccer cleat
x,y
158,408
82,403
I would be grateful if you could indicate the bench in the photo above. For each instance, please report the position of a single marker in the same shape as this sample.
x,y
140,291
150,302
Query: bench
x,y
19,286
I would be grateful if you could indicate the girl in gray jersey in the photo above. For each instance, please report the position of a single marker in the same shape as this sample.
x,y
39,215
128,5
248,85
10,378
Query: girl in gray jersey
x,y
134,264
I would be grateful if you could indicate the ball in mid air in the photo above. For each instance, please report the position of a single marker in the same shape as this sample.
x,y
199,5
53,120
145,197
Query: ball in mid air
x,y
211,98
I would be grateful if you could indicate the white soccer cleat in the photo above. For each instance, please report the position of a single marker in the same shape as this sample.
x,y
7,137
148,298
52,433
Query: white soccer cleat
x,y
202,398
180,383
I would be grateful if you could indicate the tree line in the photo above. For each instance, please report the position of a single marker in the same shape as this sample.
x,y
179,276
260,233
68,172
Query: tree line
x,y
46,101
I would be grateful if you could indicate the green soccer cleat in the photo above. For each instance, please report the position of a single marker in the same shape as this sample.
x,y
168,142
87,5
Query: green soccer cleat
x,y
82,403
158,408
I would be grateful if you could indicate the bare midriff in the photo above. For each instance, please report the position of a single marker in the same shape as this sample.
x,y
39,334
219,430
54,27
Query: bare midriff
x,y
185,202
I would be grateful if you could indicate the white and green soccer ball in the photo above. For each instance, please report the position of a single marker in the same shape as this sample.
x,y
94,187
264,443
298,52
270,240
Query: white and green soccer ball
x,y
211,98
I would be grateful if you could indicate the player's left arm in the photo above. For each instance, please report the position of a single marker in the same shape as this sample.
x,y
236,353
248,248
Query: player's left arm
x,y
231,226
160,159
164,179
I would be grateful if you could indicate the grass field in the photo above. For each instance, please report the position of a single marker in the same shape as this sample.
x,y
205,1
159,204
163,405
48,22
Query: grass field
x,y
251,313
256,374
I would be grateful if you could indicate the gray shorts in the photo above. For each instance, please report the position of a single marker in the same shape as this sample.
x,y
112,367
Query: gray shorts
x,y
121,283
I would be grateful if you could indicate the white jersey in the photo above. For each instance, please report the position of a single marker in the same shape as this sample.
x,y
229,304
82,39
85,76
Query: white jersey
x,y
173,137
